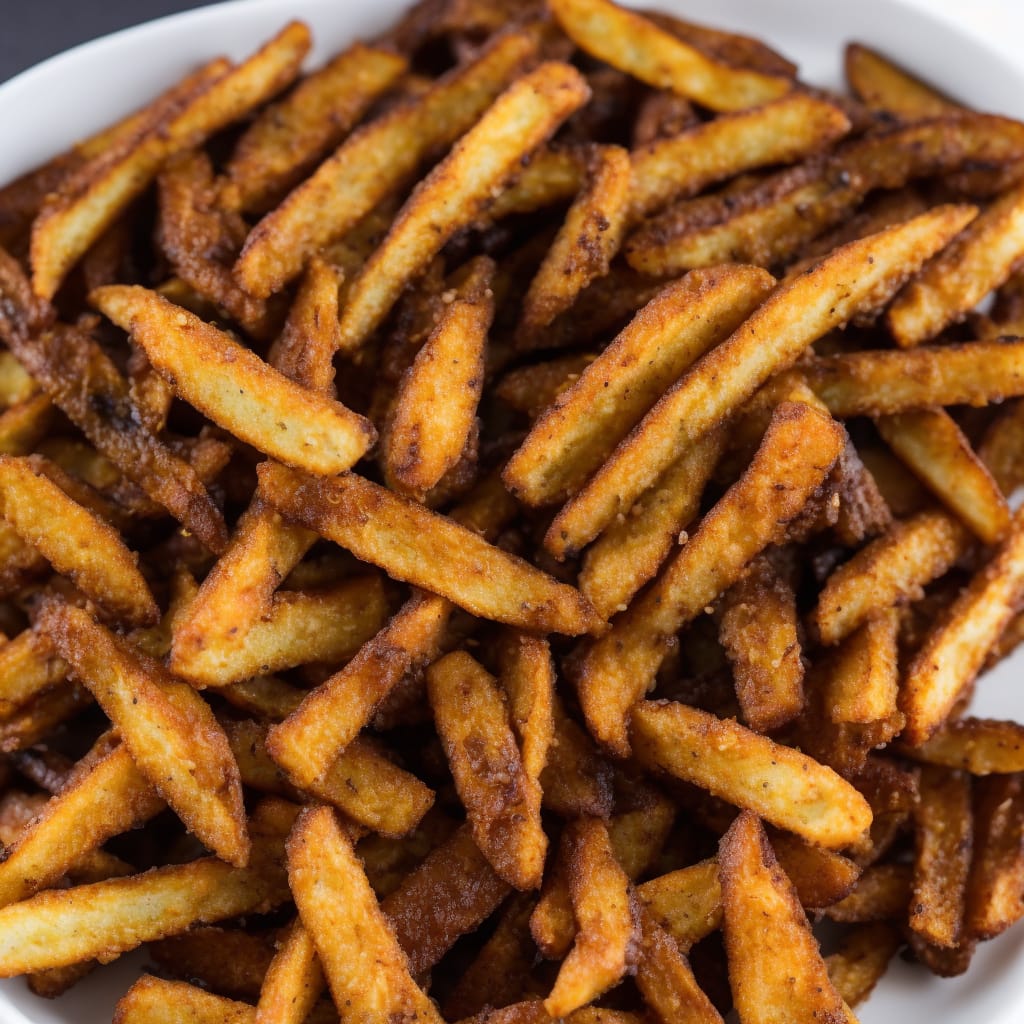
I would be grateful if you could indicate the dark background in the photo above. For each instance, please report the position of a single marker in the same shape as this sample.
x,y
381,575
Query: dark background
x,y
32,30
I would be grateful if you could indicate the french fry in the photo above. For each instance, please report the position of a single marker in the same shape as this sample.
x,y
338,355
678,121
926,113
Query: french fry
x,y
683,164
528,680
758,630
28,666
103,920
585,245
955,651
765,927
268,411
472,719
533,1012
230,961
861,959
1000,447
606,914
366,969
632,43
616,670
531,389
887,88
551,175
293,982
451,893
981,746
821,877
288,138
856,277
732,762
163,723
576,781
93,197
687,903
435,407
74,540
882,893
458,188
580,430
980,259
156,1001
882,382
863,676
44,713
338,509
372,164
943,842
111,797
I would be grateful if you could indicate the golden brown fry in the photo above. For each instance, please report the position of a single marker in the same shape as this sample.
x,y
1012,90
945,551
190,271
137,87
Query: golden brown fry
x,y
230,961
576,781
528,680
863,676
28,666
734,763
607,917
366,969
102,920
943,841
458,189
94,196
1002,448
887,88
687,903
582,427
882,893
933,447
863,956
758,630
371,522
235,387
373,164
995,888
855,278
981,746
980,259
294,980
616,670
531,389
288,138
472,719
775,967
166,726
634,44
155,1001
451,893
435,405
47,711
585,245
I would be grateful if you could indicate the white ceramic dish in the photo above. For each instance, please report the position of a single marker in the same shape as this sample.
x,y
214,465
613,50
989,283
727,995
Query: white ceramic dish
x,y
77,92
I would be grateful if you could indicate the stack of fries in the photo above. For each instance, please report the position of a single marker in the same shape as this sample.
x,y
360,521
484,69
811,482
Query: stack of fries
x,y
505,527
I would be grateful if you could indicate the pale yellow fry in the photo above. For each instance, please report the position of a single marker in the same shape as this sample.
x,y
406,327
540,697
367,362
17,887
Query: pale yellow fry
x,y
631,550
780,132
934,448
797,452
585,245
67,227
366,969
776,970
289,137
637,46
372,164
955,651
235,388
112,797
74,540
168,728
302,627
105,919
889,571
778,783
437,398
156,1001
580,429
334,714
951,284
455,192
885,87
429,551
858,277
294,981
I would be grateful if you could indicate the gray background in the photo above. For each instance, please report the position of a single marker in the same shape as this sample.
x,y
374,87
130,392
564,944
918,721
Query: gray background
x,y
32,30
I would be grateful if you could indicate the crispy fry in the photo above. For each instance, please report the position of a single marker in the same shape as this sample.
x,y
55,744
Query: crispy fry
x,y
861,960
857,277
616,670
366,969
765,928
93,197
294,981
981,746
458,188
372,164
582,427
228,960
576,781
155,1001
28,666
887,88
1001,447
687,903
632,43
339,510
164,724
276,416
882,893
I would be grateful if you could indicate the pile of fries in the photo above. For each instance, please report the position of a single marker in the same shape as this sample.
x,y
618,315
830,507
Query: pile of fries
x,y
505,527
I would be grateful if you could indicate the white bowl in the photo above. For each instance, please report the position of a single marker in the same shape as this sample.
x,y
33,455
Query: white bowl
x,y
69,96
